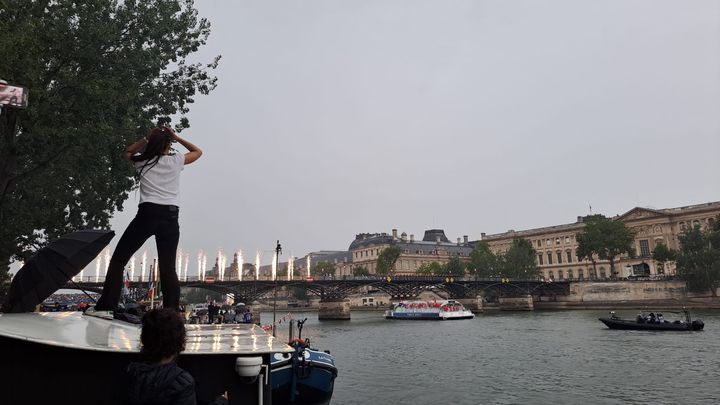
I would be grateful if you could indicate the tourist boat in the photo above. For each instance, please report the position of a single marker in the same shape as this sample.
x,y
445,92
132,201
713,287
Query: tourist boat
x,y
429,310
306,376
646,322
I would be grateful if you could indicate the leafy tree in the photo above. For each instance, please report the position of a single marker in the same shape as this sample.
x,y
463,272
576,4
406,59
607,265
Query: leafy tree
x,y
605,238
425,269
698,262
454,267
386,260
483,262
323,269
100,73
300,294
437,269
359,271
200,295
663,254
519,261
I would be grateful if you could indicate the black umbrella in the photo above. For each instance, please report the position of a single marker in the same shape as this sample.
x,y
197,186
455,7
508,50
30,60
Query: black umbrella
x,y
53,266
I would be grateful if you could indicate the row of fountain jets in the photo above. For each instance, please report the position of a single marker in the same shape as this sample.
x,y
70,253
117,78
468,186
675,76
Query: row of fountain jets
x,y
102,262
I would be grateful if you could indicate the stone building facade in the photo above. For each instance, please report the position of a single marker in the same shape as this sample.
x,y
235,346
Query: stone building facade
x,y
556,245
434,247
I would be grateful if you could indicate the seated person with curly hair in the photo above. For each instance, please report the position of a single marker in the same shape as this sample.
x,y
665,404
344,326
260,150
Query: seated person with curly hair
x,y
158,379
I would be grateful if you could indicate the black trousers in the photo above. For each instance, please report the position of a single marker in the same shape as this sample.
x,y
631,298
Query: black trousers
x,y
151,219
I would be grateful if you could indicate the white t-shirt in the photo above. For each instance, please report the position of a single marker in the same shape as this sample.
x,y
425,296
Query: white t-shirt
x,y
161,183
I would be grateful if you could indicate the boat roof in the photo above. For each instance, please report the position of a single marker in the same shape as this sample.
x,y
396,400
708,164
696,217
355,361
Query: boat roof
x,y
75,330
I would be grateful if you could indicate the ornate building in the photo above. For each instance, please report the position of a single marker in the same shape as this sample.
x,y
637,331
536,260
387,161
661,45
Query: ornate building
x,y
434,247
556,245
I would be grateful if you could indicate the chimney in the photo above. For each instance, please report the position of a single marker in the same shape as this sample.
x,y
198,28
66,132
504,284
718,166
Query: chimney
x,y
394,231
465,239
458,239
412,238
437,239
482,235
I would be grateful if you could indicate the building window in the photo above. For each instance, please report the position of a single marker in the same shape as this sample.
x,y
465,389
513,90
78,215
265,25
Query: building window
x,y
549,257
551,275
569,256
581,276
559,256
696,224
602,273
711,222
540,259
539,243
557,241
682,226
570,274
593,274
567,240
644,248
560,274
547,242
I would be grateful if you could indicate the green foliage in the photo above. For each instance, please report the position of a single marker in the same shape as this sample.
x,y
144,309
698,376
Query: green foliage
x,y
386,260
425,269
4,285
454,267
100,74
200,295
483,262
662,253
323,269
698,262
606,239
519,261
359,271
437,269
300,294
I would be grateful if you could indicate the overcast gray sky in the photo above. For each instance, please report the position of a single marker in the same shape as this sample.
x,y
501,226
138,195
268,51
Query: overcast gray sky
x,y
333,118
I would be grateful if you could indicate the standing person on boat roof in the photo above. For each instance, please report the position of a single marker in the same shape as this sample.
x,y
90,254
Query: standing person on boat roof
x,y
158,167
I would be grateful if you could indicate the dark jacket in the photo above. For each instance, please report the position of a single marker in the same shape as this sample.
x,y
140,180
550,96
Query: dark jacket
x,y
159,384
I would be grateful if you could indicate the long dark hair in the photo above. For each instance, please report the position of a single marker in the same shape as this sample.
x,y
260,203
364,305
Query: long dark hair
x,y
158,141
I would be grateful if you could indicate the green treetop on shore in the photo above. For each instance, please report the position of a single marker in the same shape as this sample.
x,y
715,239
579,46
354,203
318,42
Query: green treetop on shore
x,y
698,262
100,74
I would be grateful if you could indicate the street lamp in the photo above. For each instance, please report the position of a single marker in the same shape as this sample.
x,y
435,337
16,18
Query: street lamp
x,y
278,251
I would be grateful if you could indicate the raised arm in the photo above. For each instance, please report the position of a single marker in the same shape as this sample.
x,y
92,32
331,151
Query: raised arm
x,y
134,148
194,152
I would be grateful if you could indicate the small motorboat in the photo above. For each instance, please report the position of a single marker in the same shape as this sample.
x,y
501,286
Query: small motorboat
x,y
645,321
305,376
429,310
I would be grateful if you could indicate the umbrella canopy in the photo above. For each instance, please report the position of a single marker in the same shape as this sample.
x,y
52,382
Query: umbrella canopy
x,y
53,266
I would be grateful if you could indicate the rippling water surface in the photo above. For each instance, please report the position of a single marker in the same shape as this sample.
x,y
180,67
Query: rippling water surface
x,y
541,357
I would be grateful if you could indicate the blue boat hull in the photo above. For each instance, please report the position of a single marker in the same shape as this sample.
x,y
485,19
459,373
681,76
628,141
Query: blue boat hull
x,y
314,373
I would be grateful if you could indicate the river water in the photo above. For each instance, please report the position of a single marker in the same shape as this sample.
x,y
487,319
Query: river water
x,y
540,357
